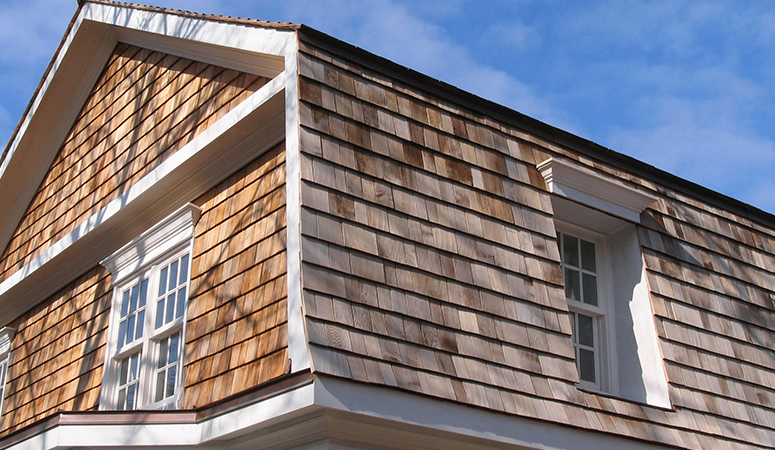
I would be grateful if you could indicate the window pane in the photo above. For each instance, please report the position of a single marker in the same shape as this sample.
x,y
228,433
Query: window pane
x,y
174,342
586,330
170,308
122,372
130,328
163,282
140,323
572,284
135,295
173,276
162,354
130,396
171,375
121,398
570,250
133,362
183,269
159,386
121,333
160,312
143,292
181,303
587,365
125,304
588,256
590,289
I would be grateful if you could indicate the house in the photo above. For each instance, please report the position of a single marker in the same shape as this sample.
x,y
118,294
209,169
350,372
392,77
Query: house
x,y
228,233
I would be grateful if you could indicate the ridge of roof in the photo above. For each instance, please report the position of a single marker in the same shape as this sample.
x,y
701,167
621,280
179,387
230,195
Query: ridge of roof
x,y
196,15
529,124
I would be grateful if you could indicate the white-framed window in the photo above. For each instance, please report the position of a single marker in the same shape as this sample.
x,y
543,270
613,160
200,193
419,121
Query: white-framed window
x,y
151,276
585,271
613,329
6,334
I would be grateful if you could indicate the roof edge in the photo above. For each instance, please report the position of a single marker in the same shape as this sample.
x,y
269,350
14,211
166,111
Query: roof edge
x,y
534,126
42,81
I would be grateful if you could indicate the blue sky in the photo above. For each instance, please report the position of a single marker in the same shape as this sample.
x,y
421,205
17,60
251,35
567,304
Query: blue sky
x,y
687,86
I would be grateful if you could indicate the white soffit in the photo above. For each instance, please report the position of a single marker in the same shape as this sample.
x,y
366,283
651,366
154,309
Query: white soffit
x,y
593,190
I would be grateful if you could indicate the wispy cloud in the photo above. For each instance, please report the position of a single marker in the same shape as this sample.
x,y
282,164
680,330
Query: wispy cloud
x,y
684,85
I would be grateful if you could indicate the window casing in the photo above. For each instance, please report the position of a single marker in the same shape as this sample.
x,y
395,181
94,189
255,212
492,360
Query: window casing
x,y
151,276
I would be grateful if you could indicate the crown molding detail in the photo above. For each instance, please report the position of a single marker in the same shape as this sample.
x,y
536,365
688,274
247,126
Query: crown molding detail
x,y
175,229
593,190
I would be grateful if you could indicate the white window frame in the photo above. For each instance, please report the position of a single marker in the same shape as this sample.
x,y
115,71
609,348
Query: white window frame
x,y
144,258
6,335
604,338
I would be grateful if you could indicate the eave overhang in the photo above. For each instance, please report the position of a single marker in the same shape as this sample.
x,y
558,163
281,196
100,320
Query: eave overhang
x,y
247,130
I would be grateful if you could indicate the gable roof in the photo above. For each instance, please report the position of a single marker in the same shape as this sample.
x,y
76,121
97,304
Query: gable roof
x,y
97,27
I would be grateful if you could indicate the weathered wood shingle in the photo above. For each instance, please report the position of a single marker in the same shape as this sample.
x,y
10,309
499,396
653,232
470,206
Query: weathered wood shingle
x,y
430,264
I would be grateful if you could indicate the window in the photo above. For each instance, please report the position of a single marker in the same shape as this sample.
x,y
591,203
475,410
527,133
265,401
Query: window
x,y
143,365
613,330
6,334
582,271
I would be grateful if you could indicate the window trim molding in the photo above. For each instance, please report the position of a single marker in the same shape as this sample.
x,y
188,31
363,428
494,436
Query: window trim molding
x,y
169,238
593,190
158,240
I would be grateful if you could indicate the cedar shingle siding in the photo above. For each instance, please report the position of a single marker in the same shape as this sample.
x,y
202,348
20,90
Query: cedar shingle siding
x,y
58,353
430,264
237,336
145,106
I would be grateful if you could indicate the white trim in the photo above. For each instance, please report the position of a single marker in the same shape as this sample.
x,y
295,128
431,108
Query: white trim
x,y
593,190
298,350
6,335
161,238
249,48
211,431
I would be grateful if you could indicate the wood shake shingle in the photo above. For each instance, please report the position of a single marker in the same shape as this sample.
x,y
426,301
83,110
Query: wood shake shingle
x,y
430,264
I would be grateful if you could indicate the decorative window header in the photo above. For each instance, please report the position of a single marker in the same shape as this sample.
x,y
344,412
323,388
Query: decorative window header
x,y
593,190
165,235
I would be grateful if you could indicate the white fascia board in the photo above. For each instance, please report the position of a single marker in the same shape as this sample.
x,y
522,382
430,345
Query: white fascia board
x,y
443,420
212,431
594,190
298,345
53,110
234,140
